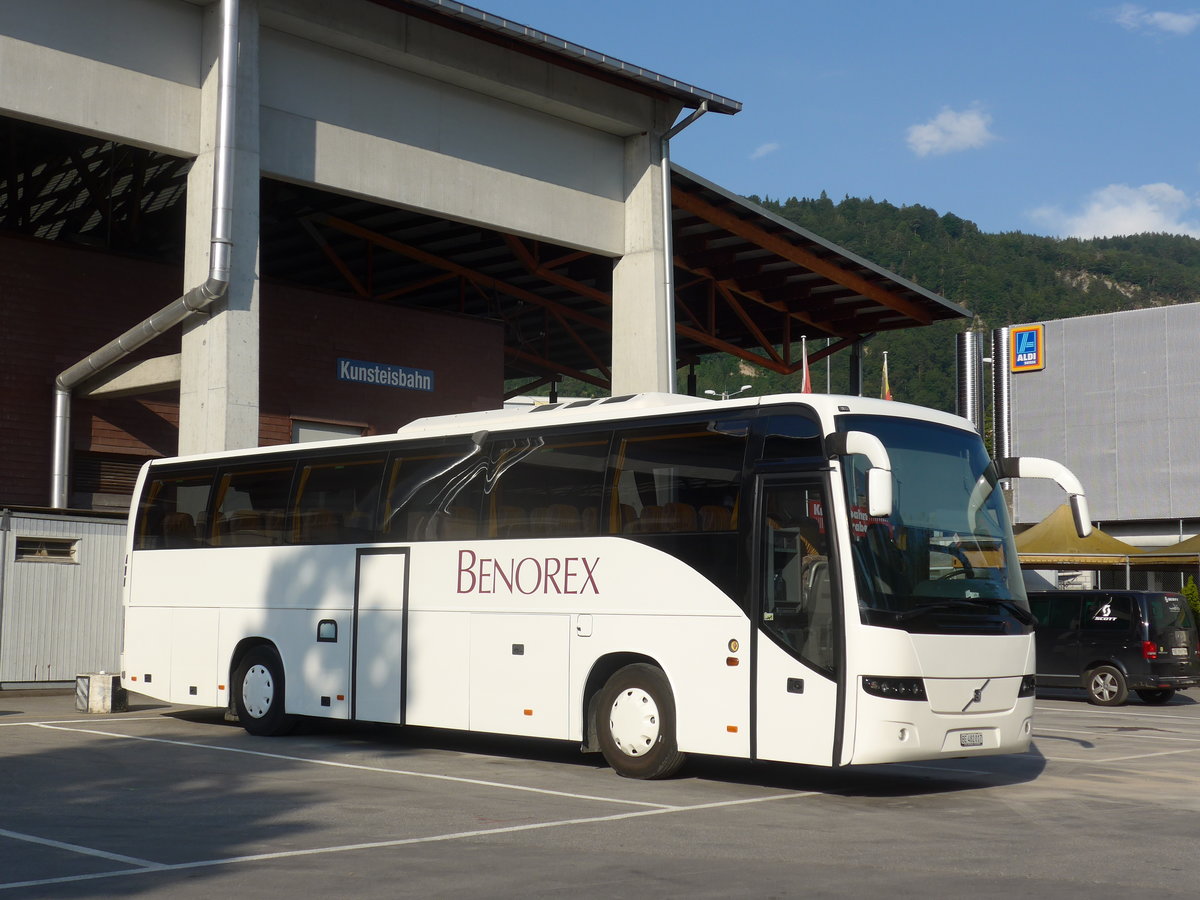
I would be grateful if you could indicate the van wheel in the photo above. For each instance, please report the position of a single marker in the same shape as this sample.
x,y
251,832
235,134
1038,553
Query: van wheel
x,y
1106,686
635,723
258,693
1156,696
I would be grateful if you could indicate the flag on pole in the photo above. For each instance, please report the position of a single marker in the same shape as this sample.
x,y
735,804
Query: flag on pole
x,y
806,383
885,390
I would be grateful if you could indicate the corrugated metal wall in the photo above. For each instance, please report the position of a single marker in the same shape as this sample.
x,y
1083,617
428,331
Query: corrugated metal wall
x,y
1119,403
58,619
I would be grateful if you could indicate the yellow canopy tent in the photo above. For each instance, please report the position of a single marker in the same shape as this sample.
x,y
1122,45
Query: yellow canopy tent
x,y
1054,543
1184,555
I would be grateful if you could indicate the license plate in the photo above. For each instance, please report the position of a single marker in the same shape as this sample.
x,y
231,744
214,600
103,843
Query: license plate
x,y
970,739
1179,651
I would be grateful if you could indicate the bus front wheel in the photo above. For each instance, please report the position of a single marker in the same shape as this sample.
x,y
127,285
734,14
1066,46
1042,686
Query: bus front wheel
x,y
635,723
258,693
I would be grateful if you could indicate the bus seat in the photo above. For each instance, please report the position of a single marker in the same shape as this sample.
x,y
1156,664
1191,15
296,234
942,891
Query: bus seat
x,y
679,517
564,519
359,526
555,520
628,518
320,526
245,529
179,530
460,523
650,521
512,522
715,518
588,520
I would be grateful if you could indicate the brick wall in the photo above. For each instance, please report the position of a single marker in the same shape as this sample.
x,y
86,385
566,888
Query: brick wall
x,y
59,303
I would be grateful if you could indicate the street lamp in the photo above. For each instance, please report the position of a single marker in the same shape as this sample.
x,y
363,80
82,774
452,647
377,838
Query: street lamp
x,y
725,395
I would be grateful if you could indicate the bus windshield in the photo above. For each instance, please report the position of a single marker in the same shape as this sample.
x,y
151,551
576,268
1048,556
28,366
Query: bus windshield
x,y
944,560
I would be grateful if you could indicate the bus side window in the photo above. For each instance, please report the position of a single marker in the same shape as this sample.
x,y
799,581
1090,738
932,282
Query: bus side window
x,y
250,506
790,437
171,511
336,501
544,488
432,493
682,478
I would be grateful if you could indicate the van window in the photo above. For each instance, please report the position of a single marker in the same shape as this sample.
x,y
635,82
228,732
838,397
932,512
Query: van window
x,y
1055,612
1108,613
1169,611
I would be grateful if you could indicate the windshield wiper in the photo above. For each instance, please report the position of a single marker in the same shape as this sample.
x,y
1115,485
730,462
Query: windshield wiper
x,y
1021,615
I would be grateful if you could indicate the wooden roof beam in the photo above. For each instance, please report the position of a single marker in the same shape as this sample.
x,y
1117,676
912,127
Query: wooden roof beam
x,y
788,250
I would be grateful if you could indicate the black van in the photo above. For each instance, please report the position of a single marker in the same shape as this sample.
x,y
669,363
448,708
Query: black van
x,y
1109,642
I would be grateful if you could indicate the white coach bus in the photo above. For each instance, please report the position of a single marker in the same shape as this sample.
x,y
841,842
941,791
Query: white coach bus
x,y
804,578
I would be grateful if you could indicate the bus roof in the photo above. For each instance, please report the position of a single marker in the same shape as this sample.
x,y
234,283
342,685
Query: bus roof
x,y
610,409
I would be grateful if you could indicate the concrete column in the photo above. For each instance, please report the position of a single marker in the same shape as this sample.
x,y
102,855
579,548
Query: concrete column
x,y
218,393
643,316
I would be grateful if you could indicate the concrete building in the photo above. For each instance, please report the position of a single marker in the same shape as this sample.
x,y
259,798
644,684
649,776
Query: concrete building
x,y
1117,400
226,224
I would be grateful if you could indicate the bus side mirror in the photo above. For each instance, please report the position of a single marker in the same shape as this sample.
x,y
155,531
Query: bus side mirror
x,y
1037,467
879,475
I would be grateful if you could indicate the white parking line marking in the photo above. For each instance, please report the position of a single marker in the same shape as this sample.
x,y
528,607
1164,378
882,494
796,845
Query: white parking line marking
x,y
1115,759
401,842
1148,755
1117,734
359,767
1125,713
76,848
82,721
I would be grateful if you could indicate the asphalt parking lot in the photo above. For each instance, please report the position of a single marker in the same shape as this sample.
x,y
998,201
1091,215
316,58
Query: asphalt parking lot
x,y
170,802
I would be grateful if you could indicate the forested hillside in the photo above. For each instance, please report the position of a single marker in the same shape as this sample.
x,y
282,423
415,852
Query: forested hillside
x,y
1003,278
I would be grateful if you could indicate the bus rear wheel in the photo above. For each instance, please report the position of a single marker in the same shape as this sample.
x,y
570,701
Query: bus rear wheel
x,y
258,693
635,723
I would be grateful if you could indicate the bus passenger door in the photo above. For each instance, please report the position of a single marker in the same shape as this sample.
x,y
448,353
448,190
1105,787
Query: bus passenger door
x,y
798,651
380,623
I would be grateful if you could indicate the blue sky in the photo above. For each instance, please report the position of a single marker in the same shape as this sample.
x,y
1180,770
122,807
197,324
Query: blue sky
x,y
1055,117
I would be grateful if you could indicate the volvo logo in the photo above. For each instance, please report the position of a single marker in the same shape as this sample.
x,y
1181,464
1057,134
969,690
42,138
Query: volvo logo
x,y
978,695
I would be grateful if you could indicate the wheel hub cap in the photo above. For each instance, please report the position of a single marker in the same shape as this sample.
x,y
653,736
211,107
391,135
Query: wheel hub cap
x,y
258,690
633,722
1105,686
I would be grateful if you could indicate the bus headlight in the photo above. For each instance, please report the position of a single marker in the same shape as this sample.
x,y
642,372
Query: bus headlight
x,y
894,688
1028,686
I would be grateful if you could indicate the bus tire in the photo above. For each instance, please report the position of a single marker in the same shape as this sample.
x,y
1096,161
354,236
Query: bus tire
x,y
1106,686
1156,696
258,693
635,723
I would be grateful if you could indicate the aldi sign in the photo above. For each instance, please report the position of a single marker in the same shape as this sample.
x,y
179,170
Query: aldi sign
x,y
1027,348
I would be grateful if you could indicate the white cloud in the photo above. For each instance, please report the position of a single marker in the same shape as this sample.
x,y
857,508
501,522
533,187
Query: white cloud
x,y
950,131
764,150
1137,18
1121,210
